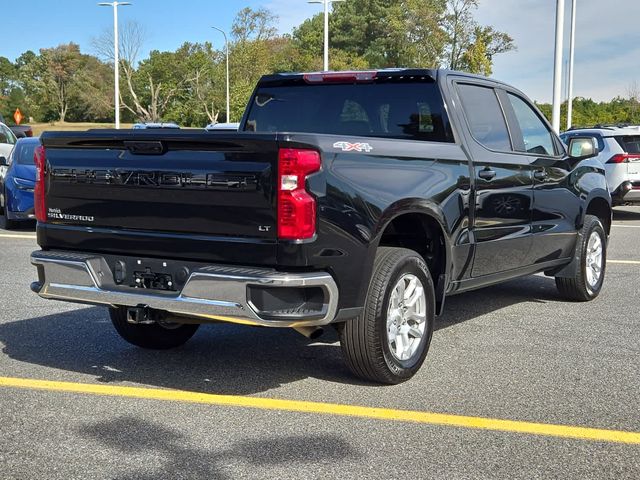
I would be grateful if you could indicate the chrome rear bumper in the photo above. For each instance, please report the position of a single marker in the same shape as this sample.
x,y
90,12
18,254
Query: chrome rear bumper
x,y
211,293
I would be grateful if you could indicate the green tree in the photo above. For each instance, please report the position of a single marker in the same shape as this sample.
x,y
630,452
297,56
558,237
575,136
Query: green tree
x,y
8,75
406,33
252,24
471,46
58,79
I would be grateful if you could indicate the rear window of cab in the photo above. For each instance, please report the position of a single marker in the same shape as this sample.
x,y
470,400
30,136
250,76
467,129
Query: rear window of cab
x,y
407,110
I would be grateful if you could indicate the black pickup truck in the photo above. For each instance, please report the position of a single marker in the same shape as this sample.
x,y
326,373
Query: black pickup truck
x,y
356,199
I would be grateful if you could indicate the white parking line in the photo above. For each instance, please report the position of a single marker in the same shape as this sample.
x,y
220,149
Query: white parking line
x,y
624,226
17,235
626,262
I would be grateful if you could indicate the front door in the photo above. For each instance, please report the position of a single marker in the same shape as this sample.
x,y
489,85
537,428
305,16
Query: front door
x,y
556,209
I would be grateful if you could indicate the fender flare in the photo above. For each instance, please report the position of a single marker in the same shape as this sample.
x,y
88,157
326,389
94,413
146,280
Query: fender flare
x,y
433,211
570,270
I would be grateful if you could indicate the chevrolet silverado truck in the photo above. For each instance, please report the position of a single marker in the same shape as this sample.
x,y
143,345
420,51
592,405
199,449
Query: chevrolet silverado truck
x,y
353,199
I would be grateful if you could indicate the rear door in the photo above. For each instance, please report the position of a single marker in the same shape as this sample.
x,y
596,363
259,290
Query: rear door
x,y
503,183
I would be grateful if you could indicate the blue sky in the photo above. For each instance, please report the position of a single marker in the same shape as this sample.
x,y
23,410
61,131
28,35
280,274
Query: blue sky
x,y
608,37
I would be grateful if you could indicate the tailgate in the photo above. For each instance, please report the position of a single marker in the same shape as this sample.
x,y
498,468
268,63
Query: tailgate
x,y
633,171
631,146
192,183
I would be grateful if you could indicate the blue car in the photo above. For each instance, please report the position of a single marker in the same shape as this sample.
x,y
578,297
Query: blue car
x,y
17,180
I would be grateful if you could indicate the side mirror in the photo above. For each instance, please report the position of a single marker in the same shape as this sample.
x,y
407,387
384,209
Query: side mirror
x,y
4,162
583,147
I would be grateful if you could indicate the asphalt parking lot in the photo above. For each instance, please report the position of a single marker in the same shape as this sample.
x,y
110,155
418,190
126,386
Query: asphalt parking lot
x,y
76,401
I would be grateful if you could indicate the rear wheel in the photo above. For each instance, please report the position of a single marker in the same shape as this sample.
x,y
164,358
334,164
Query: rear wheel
x,y
389,341
591,253
155,336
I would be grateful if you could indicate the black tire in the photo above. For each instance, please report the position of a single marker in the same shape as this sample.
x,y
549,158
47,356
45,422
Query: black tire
x,y
578,288
6,223
364,339
153,336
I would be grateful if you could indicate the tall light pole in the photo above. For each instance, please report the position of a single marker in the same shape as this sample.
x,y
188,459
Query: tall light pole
x,y
116,59
326,28
572,46
557,68
226,42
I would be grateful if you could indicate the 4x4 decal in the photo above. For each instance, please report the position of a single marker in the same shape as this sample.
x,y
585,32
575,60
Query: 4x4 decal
x,y
353,147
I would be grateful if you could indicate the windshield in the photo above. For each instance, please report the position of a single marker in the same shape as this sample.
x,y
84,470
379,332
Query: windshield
x,y
393,110
23,153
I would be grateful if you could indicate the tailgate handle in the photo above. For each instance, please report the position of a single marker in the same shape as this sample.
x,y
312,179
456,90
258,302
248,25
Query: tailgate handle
x,y
144,148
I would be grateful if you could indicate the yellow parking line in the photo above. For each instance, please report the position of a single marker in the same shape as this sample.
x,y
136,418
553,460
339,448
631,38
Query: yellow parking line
x,y
492,424
17,235
625,262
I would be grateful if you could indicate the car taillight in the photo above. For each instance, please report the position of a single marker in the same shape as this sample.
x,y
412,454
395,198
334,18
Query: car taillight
x,y
296,207
622,158
39,200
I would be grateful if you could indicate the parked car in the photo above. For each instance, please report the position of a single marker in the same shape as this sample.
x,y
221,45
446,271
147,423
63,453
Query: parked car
x,y
20,131
16,186
353,199
7,141
619,152
150,125
228,127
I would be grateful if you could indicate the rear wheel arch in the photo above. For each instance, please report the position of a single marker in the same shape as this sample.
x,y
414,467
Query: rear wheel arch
x,y
421,230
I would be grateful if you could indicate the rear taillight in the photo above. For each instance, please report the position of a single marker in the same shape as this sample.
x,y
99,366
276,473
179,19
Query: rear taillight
x,y
296,207
623,158
39,200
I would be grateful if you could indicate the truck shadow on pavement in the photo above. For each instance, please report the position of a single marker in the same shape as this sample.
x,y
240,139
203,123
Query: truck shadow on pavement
x,y
27,226
222,358
134,438
619,215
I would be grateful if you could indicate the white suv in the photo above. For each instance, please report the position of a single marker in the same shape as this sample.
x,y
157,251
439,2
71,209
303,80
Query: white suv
x,y
620,153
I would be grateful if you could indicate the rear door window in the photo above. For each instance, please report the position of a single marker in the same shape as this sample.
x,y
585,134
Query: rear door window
x,y
484,116
402,110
